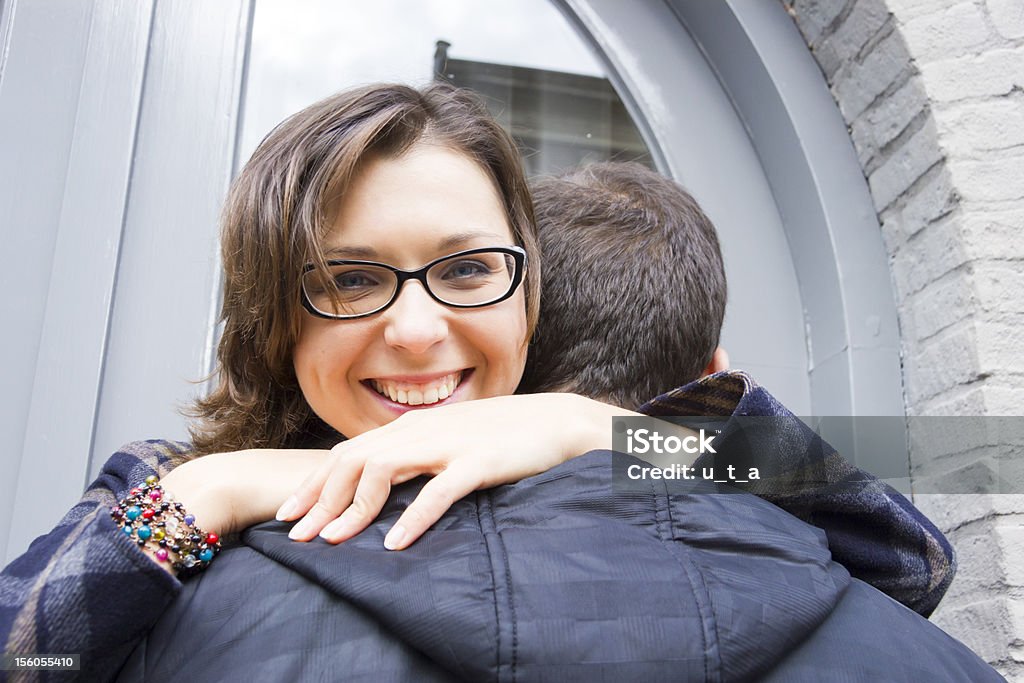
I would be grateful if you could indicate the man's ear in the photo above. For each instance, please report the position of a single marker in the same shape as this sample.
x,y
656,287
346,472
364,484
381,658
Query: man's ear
x,y
719,362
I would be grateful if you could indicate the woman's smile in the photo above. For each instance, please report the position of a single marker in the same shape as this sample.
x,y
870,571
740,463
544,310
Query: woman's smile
x,y
420,390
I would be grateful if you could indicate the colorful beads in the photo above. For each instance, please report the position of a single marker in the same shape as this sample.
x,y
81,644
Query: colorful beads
x,y
149,518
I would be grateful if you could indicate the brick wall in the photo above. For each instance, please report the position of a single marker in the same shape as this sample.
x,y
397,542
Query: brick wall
x,y
933,94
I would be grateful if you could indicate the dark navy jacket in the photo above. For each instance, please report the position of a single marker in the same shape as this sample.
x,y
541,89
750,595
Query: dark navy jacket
x,y
556,578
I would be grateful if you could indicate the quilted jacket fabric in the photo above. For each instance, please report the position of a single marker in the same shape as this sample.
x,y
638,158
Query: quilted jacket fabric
x,y
556,578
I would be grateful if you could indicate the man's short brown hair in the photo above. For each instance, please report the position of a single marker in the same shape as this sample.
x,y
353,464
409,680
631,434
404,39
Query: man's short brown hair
x,y
633,285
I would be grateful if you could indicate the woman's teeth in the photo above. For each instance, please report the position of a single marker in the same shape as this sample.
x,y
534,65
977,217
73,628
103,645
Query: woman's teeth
x,y
418,394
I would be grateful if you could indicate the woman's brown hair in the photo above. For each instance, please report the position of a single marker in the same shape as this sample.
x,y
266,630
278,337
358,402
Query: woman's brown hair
x,y
274,222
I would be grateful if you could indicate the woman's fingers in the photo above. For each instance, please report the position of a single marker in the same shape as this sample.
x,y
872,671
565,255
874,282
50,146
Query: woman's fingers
x,y
366,502
433,500
336,494
307,494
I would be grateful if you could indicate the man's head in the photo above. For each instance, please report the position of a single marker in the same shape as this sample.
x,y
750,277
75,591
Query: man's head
x,y
633,285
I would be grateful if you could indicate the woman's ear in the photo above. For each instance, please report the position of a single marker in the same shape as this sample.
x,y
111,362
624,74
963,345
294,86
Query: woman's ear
x,y
719,362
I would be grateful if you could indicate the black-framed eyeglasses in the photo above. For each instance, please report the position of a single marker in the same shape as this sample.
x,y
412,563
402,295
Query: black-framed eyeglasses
x,y
466,279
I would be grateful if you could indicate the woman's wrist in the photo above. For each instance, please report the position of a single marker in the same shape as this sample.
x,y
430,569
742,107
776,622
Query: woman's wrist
x,y
594,430
164,530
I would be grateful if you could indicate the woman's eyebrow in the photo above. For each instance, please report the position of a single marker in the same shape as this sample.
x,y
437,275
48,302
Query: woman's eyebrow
x,y
461,238
450,242
352,252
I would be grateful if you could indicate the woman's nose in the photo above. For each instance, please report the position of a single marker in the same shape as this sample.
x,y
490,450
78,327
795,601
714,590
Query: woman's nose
x,y
415,322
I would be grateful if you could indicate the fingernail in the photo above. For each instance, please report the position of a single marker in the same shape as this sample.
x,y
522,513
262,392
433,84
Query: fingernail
x,y
396,537
332,530
300,530
287,509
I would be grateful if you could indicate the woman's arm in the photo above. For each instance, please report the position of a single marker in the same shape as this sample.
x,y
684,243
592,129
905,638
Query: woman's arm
x,y
84,588
87,589
465,446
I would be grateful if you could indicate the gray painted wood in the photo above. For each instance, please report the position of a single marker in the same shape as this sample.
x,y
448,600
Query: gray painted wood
x,y
162,321
37,125
62,411
123,158
818,184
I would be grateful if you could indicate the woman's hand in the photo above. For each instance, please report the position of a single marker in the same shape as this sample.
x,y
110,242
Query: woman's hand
x,y
466,446
227,492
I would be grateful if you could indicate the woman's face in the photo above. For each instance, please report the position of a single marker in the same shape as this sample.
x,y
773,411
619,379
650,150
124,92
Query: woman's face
x,y
405,212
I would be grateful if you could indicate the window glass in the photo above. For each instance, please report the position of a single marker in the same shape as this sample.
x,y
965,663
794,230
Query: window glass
x,y
536,74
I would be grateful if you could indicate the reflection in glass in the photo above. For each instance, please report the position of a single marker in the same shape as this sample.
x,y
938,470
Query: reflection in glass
x,y
538,77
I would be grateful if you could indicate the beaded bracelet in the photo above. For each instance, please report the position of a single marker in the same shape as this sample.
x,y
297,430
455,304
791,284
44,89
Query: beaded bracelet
x,y
149,516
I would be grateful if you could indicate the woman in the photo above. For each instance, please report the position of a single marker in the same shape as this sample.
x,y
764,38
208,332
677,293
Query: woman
x,y
324,336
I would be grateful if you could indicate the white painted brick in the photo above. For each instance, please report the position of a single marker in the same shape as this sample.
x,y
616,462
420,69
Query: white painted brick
x,y
968,128
999,287
863,22
999,346
933,198
982,398
1008,17
858,84
945,32
905,165
907,9
961,401
863,142
1004,400
983,626
892,229
979,560
990,179
993,73
943,362
991,234
952,510
813,16
1011,542
939,305
880,123
931,254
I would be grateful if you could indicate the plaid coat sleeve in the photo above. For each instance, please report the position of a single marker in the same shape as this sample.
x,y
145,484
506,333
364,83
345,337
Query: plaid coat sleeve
x,y
872,529
84,588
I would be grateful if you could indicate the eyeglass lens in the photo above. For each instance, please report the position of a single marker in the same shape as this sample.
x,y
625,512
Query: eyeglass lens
x,y
461,280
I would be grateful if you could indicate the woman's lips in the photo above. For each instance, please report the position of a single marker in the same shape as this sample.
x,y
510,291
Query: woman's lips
x,y
402,394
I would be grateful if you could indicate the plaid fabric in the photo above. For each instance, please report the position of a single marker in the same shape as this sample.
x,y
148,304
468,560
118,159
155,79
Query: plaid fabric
x,y
84,588
872,529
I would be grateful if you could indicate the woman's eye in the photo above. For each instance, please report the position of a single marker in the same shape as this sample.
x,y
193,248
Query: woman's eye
x,y
465,269
354,280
